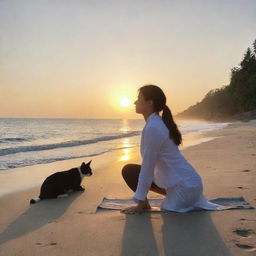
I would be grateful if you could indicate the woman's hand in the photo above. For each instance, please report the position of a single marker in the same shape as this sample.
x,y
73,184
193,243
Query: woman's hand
x,y
142,205
132,210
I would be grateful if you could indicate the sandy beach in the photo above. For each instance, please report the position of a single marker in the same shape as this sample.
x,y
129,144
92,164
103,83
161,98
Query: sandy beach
x,y
71,226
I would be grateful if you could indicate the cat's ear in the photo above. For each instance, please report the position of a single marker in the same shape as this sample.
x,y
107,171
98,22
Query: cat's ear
x,y
89,163
83,164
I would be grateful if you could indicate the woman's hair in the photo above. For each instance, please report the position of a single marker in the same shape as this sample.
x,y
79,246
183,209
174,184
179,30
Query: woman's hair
x,y
154,93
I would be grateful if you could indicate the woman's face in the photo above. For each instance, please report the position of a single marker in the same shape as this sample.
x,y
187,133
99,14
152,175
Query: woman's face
x,y
142,106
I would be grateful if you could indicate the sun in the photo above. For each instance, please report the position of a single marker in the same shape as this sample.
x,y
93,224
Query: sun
x,y
125,102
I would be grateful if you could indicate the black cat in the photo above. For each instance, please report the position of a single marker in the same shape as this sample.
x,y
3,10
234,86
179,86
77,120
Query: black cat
x,y
59,183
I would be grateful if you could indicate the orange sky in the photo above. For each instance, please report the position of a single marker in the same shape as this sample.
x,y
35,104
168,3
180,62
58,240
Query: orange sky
x,y
77,59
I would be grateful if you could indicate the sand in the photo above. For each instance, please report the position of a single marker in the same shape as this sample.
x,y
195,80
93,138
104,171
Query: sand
x,y
71,226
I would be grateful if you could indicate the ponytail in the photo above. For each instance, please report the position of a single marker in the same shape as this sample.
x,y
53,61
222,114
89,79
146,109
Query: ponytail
x,y
154,93
174,132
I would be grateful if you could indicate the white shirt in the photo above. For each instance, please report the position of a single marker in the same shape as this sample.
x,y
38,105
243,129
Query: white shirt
x,y
162,161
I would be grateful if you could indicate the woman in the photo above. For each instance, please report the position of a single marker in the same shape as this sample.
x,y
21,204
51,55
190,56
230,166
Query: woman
x,y
164,169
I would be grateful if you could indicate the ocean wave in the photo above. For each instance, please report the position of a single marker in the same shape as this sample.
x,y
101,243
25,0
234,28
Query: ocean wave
x,y
29,162
14,150
6,140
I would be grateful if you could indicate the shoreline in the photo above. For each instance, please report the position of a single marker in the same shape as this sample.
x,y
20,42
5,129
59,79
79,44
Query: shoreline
x,y
227,167
22,151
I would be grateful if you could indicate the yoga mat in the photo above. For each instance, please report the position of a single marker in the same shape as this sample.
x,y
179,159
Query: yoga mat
x,y
226,204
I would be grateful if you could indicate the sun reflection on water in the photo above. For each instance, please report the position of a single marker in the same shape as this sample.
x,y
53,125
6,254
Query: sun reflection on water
x,y
126,150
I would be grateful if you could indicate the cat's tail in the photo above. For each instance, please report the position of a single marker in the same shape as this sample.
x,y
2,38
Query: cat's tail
x,y
35,200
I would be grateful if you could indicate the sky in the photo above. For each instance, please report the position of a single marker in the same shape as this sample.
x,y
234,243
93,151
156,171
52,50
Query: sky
x,y
79,58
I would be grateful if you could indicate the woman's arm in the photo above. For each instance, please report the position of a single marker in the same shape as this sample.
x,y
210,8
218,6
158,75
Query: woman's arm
x,y
153,139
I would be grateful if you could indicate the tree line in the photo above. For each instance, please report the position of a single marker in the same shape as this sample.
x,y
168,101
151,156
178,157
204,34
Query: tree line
x,y
233,99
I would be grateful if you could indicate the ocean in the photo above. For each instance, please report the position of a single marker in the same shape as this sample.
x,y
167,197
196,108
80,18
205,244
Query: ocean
x,y
25,142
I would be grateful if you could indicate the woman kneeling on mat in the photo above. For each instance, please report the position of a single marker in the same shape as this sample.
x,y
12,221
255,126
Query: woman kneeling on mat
x,y
164,169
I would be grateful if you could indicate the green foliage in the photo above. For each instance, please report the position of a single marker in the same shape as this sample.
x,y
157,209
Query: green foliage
x,y
237,97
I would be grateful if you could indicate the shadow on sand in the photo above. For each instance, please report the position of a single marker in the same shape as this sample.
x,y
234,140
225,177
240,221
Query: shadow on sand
x,y
36,216
138,237
181,234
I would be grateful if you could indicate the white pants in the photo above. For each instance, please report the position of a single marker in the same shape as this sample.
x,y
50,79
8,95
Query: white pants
x,y
184,198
